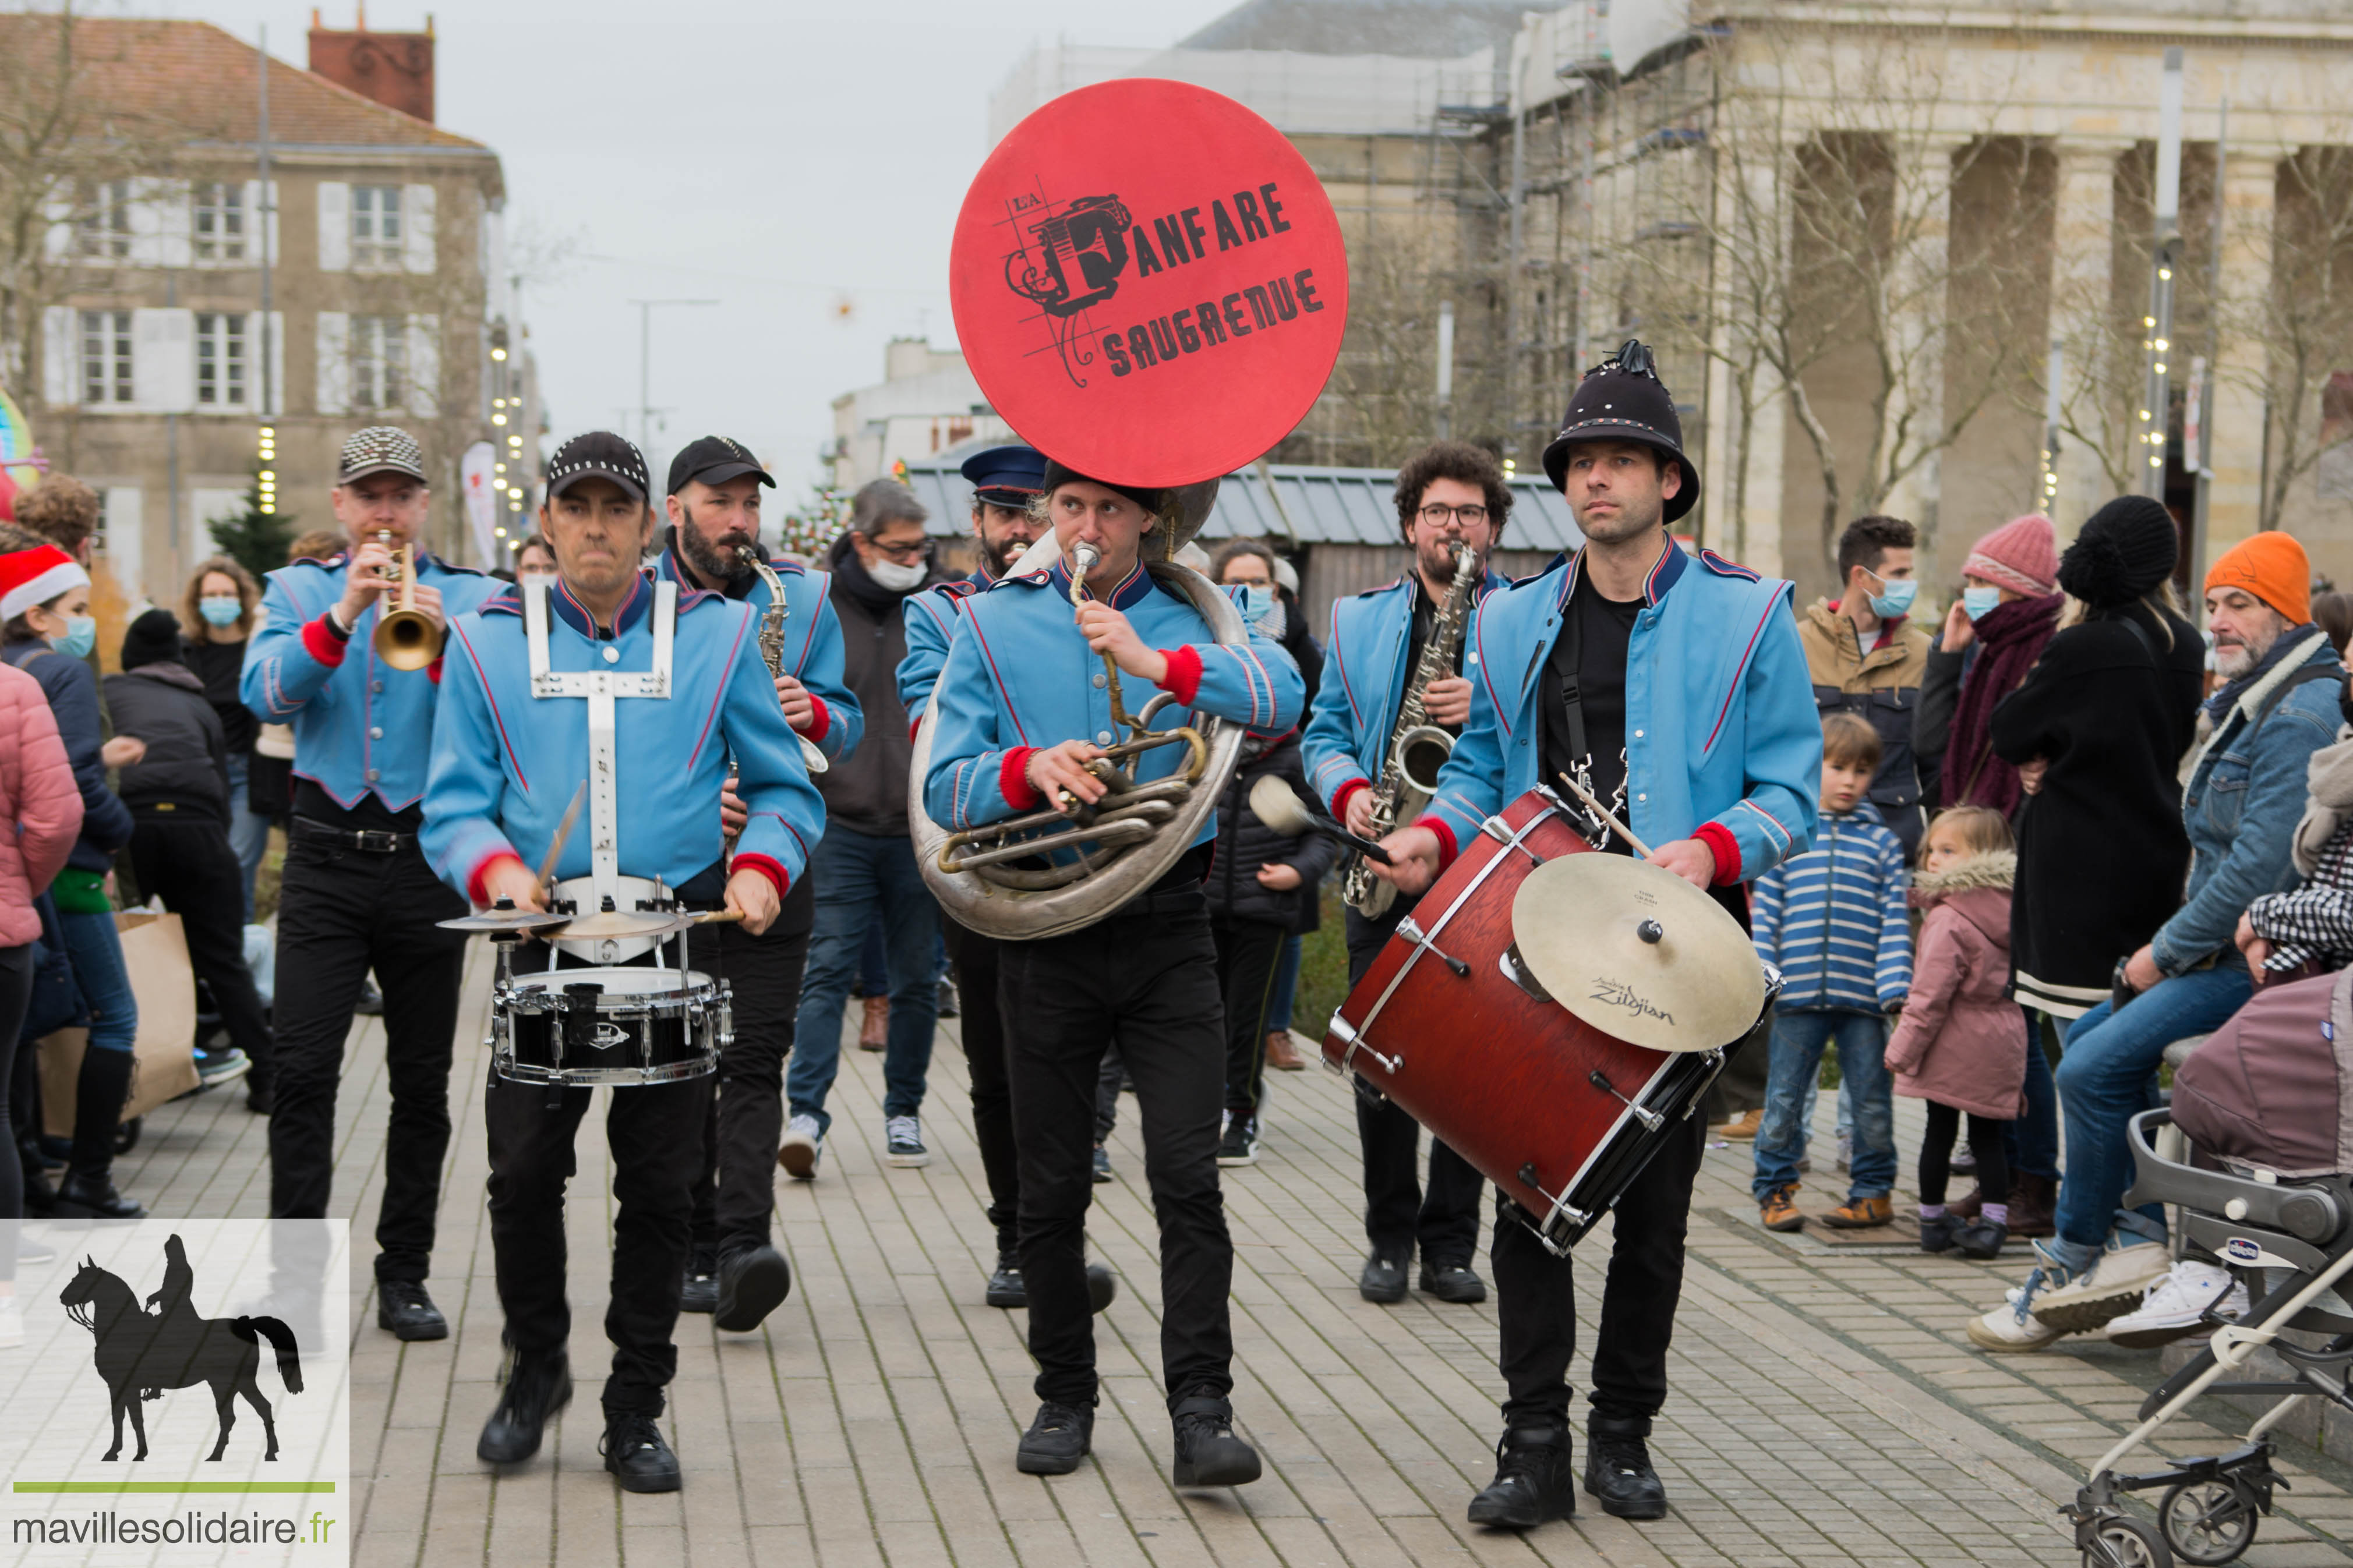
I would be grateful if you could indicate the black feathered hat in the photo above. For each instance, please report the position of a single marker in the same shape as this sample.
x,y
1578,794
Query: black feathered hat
x,y
1622,399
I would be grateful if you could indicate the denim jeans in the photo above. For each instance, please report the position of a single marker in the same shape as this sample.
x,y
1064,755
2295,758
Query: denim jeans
x,y
96,952
1799,1041
874,961
855,875
2032,1142
1286,987
248,833
2109,1075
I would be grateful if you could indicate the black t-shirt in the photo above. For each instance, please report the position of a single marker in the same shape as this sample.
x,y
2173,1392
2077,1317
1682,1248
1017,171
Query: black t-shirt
x,y
220,666
1592,644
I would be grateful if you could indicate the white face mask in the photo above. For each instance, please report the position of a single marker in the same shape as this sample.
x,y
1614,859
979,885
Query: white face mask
x,y
897,576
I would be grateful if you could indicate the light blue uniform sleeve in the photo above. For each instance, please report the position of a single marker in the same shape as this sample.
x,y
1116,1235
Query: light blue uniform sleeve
x,y
930,619
1470,786
466,783
1328,749
785,816
280,676
821,672
1254,684
1776,816
962,787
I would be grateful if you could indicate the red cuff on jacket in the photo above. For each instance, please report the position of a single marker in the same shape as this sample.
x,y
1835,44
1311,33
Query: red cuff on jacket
x,y
320,641
475,890
1343,795
433,672
1183,676
1013,780
768,866
1727,850
1446,849
820,718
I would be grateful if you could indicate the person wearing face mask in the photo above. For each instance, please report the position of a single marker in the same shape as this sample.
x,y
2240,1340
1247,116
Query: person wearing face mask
x,y
2008,609
217,617
866,860
49,633
1866,658
535,557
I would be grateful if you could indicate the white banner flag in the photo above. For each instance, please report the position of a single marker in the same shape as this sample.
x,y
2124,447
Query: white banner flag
x,y
482,503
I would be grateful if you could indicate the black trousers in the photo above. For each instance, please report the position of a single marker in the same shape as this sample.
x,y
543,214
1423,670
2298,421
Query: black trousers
x,y
15,996
978,963
1537,1309
1401,1217
184,858
341,912
1249,955
735,1194
1152,974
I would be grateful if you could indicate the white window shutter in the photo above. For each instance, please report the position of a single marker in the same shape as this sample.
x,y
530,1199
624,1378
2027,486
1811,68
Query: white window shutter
x,y
150,200
175,223
58,361
58,244
334,227
333,339
424,394
277,366
164,361
417,232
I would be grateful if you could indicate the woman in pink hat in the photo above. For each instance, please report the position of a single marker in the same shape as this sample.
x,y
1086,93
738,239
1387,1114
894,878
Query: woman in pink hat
x,y
2008,609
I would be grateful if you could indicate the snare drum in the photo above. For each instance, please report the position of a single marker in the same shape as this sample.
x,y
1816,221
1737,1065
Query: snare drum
x,y
1450,1024
623,1026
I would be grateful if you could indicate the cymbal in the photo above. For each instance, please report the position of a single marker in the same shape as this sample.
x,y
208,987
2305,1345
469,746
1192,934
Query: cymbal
x,y
504,920
616,923
1638,952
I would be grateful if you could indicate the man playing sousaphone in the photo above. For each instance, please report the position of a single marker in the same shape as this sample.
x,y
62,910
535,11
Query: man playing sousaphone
x,y
1673,690
1022,707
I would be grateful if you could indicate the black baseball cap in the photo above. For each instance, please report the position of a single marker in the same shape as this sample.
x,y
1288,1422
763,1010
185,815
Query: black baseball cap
x,y
599,453
713,460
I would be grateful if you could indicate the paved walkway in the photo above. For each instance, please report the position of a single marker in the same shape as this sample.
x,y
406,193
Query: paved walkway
x,y
1827,1410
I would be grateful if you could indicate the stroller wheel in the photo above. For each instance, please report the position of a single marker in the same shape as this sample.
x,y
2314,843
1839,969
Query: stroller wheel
x,y
2123,1541
2207,1522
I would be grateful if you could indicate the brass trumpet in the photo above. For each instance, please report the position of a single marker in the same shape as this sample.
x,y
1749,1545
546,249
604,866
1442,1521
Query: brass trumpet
x,y
406,637
1129,814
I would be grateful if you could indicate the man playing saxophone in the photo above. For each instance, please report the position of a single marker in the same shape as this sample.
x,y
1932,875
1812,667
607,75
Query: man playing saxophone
x,y
1452,499
732,1269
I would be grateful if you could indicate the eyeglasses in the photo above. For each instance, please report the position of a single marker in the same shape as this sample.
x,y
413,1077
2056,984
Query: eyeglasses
x,y
1436,515
906,549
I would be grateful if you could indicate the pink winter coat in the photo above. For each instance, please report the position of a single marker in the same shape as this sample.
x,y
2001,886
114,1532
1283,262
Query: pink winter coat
x,y
1961,1042
39,801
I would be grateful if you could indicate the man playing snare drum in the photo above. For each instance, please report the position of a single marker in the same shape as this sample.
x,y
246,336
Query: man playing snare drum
x,y
509,755
1712,753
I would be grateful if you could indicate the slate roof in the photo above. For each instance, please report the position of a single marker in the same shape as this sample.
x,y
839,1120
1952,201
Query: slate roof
x,y
1424,29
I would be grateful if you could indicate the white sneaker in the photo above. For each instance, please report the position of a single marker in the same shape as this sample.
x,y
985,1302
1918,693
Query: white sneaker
x,y
12,1323
903,1141
2011,1326
2171,1308
2109,1289
804,1144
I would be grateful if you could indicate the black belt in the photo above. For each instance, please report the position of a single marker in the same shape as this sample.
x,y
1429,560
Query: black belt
x,y
1174,902
370,840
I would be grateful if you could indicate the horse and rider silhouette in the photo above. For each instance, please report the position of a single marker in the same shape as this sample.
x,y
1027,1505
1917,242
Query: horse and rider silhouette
x,y
171,1347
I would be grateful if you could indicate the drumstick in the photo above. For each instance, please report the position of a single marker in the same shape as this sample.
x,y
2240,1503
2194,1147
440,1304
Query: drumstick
x,y
562,836
714,917
1603,812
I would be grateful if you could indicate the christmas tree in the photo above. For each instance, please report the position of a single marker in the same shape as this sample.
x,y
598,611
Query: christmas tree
x,y
256,537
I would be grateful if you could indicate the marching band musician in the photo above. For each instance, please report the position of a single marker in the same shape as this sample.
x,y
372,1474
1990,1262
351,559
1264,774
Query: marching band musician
x,y
506,765
1452,497
357,893
1674,688
1019,674
714,501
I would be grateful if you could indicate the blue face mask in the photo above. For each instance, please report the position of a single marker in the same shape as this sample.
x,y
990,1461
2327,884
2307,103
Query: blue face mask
x,y
1977,602
1895,601
1257,602
220,609
81,636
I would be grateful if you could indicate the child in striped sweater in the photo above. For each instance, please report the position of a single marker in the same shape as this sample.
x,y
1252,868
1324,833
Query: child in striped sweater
x,y
1833,921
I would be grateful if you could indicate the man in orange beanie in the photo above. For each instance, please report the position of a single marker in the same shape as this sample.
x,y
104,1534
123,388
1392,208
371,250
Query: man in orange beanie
x,y
2271,567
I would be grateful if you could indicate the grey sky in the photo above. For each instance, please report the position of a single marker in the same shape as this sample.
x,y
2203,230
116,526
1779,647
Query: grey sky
x,y
776,157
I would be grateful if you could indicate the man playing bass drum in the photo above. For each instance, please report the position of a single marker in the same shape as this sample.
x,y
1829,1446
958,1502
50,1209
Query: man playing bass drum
x,y
1451,498
1713,756
1024,670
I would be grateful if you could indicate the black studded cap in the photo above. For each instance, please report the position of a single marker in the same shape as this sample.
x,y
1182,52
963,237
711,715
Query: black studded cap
x,y
380,448
600,455
1622,399
714,459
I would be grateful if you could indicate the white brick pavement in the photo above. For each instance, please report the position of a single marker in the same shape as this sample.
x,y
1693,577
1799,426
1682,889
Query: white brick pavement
x,y
1827,1410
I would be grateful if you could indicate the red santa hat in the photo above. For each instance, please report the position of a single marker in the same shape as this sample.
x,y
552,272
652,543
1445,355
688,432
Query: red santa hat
x,y
29,577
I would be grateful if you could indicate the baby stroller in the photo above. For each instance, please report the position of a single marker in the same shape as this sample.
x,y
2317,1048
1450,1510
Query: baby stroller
x,y
2256,1150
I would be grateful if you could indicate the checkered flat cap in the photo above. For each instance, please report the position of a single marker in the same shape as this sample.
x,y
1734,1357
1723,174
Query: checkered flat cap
x,y
380,448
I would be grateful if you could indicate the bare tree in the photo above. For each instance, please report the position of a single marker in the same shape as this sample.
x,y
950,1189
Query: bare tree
x,y
2304,320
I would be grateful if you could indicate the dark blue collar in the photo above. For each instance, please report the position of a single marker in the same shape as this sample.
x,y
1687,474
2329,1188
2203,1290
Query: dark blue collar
x,y
1132,589
1663,576
980,578
573,614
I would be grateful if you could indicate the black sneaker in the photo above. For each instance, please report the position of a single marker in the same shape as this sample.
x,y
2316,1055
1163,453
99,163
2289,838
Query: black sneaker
x,y
1533,1480
217,1068
699,1292
403,1307
1208,1452
752,1283
1239,1146
1452,1282
1057,1440
259,1097
1618,1471
86,1197
634,1450
1103,1164
1005,1286
371,1001
1383,1279
536,1390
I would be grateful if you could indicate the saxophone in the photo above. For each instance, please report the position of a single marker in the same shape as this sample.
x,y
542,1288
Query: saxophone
x,y
772,640
1417,750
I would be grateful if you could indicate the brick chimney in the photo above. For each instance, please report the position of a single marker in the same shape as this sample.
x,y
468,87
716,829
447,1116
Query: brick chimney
x,y
394,69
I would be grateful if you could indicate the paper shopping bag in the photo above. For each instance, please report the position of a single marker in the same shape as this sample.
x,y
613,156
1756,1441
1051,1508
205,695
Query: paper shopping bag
x,y
155,952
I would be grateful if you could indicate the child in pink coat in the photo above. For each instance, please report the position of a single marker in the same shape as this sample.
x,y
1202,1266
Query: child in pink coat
x,y
1959,1045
